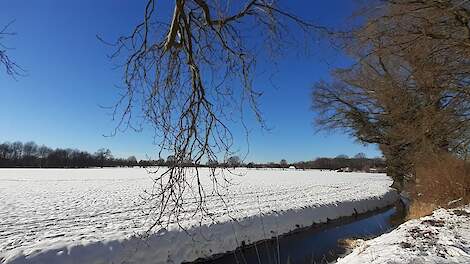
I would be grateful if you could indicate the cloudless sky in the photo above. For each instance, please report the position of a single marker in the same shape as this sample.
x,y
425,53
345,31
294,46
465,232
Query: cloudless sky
x,y
68,77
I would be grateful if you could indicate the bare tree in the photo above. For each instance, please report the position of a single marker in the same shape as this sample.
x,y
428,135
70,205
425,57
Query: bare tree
x,y
360,155
103,155
234,161
191,77
17,150
5,151
132,161
408,90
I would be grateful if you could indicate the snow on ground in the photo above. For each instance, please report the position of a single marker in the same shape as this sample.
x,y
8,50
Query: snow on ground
x,y
93,215
443,237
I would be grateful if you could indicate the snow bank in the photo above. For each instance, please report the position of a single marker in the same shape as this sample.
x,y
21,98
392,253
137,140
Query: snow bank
x,y
93,215
443,237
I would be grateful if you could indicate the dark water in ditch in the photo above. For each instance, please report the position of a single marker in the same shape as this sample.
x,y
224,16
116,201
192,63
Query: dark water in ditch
x,y
318,244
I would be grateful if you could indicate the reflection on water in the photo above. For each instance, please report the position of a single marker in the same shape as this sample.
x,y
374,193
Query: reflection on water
x,y
310,245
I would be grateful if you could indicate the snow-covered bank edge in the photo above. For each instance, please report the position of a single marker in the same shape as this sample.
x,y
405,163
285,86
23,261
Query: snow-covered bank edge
x,y
443,237
177,246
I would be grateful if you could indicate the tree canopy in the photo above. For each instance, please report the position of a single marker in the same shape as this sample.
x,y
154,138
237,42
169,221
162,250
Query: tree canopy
x,y
408,88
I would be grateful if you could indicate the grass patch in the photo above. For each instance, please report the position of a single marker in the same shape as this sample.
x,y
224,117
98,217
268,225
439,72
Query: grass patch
x,y
441,181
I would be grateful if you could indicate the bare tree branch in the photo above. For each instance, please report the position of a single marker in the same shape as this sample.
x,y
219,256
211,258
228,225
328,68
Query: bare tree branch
x,y
10,67
191,79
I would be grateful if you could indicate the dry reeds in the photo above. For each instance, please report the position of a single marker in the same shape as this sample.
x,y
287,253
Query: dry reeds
x,y
440,181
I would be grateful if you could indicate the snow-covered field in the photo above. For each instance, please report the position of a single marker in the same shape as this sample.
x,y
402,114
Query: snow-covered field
x,y
93,215
443,237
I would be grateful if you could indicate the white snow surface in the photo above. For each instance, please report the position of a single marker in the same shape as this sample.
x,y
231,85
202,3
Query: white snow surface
x,y
95,215
443,237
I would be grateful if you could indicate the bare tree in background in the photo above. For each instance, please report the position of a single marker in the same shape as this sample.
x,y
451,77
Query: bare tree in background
x,y
408,91
192,78
10,67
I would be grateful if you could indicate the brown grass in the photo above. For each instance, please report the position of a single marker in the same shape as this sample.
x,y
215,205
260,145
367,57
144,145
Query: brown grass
x,y
439,180
349,243
419,209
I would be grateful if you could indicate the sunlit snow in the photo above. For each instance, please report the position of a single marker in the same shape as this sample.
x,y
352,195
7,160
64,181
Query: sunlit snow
x,y
93,215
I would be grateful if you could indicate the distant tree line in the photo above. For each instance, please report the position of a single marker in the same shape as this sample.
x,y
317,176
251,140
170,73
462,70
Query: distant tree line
x,y
31,155
357,163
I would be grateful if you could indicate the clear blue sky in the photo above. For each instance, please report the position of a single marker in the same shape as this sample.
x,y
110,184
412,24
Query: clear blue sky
x,y
69,76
